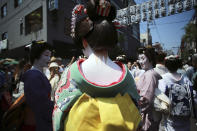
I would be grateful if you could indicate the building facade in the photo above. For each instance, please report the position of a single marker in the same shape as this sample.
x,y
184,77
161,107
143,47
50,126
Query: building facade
x,y
130,35
146,38
23,21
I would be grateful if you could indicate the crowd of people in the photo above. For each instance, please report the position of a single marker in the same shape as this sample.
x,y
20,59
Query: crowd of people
x,y
96,93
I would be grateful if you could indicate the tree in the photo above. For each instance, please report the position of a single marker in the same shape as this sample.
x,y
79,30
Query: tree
x,y
190,33
191,30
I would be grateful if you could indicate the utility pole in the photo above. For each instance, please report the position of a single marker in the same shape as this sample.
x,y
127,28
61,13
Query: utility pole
x,y
148,33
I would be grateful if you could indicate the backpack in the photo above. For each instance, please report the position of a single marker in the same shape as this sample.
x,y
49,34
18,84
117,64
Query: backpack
x,y
180,96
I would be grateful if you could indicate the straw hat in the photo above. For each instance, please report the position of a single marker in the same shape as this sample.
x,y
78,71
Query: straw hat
x,y
53,64
53,59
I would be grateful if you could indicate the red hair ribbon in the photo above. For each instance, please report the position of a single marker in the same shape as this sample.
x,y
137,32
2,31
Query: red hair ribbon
x,y
104,8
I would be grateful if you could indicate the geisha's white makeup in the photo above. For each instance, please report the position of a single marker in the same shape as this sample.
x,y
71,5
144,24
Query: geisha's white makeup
x,y
144,62
44,58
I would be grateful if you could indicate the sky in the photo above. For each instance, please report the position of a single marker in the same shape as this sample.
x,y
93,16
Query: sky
x,y
168,30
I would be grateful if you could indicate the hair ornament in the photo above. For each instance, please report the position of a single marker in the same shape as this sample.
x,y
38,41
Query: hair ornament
x,y
117,24
103,8
171,57
40,42
78,9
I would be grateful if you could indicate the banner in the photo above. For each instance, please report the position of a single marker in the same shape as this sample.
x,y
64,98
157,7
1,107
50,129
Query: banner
x,y
150,10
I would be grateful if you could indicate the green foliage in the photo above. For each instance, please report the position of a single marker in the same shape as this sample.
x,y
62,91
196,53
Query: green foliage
x,y
190,33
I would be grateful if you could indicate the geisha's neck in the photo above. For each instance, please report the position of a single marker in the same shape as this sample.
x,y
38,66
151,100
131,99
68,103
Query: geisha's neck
x,y
37,67
100,69
99,58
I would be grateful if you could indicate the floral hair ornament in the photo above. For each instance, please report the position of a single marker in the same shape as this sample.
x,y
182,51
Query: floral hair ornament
x,y
104,8
78,9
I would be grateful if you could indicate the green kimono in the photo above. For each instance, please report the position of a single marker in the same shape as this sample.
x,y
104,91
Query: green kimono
x,y
73,84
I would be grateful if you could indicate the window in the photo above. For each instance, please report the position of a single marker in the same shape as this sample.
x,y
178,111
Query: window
x,y
4,36
21,28
4,10
67,25
17,3
34,21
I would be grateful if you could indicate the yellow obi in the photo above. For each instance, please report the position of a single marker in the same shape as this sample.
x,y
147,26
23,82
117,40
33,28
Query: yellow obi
x,y
103,114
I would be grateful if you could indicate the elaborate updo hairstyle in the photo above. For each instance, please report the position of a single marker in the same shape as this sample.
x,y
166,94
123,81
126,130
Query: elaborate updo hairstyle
x,y
160,56
97,29
173,63
150,53
37,48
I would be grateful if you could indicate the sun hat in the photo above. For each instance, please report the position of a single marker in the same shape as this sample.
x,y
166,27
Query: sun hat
x,y
53,64
53,59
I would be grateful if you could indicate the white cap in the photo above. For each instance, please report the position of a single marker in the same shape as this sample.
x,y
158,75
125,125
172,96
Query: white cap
x,y
53,64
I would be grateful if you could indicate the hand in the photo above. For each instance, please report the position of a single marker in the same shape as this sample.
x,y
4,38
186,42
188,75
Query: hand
x,y
143,104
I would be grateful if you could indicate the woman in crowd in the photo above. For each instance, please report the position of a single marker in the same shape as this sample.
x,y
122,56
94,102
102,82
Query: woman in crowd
x,y
179,89
146,86
37,90
160,63
54,78
19,90
98,76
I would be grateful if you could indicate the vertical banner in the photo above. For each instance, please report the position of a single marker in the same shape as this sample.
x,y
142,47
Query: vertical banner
x,y
144,12
179,6
150,10
156,8
187,4
163,7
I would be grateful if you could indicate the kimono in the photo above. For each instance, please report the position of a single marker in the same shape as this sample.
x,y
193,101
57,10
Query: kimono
x,y
37,90
146,86
179,92
73,84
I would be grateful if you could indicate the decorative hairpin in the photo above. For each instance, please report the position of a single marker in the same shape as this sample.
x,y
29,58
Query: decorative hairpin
x,y
78,9
118,24
104,8
40,42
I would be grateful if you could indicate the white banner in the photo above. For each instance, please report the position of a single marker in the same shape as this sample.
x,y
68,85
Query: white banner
x,y
151,10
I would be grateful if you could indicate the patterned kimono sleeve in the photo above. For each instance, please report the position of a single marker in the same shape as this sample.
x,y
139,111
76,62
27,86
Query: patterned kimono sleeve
x,y
65,96
193,90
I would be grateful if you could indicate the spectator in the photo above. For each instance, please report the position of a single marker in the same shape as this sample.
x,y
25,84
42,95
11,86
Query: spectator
x,y
160,63
37,89
146,86
54,78
178,88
